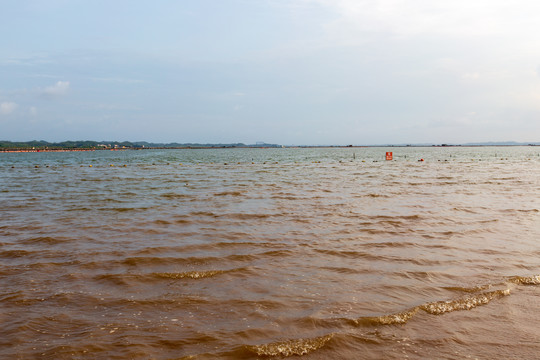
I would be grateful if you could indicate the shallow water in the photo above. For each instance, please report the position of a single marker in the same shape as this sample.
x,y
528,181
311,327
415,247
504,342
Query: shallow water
x,y
246,253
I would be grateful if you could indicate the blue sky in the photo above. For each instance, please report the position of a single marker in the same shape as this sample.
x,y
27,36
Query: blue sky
x,y
287,72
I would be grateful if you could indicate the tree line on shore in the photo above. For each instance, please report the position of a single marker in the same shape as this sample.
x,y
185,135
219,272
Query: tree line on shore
x,y
89,144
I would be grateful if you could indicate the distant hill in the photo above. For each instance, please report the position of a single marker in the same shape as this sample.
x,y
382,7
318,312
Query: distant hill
x,y
502,143
90,144
491,143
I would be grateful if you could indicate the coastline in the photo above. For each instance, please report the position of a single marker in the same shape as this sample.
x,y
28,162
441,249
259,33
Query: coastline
x,y
41,150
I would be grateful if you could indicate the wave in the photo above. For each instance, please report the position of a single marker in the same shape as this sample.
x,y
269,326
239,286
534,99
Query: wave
x,y
133,262
465,303
176,196
290,347
48,240
190,274
248,216
525,280
210,246
303,346
477,296
122,279
390,319
468,289
353,254
374,195
11,254
229,193
239,216
434,308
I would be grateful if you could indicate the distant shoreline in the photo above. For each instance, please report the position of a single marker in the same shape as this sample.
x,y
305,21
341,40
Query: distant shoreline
x,y
19,150
41,150
92,145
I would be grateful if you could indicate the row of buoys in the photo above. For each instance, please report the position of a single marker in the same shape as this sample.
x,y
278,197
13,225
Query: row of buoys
x,y
240,163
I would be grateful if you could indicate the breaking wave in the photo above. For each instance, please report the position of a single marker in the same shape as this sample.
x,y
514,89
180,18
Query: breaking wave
x,y
476,296
290,347
522,280
464,303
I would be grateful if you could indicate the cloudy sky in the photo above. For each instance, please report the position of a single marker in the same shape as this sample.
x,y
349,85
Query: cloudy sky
x,y
278,71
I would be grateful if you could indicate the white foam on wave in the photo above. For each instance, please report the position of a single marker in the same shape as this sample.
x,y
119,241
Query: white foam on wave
x,y
291,347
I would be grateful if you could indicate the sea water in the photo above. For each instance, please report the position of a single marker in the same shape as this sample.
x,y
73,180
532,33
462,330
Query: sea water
x,y
256,253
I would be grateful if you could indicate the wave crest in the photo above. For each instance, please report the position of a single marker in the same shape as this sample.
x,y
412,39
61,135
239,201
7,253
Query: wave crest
x,y
189,274
464,303
525,280
397,318
290,347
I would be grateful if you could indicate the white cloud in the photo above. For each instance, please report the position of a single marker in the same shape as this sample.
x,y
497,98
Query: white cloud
x,y
58,89
7,107
33,111
413,17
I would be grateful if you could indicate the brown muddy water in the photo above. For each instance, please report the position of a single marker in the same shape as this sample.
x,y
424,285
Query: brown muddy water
x,y
271,253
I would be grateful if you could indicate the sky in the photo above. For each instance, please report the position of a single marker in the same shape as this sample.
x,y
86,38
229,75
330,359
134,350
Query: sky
x,y
295,72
